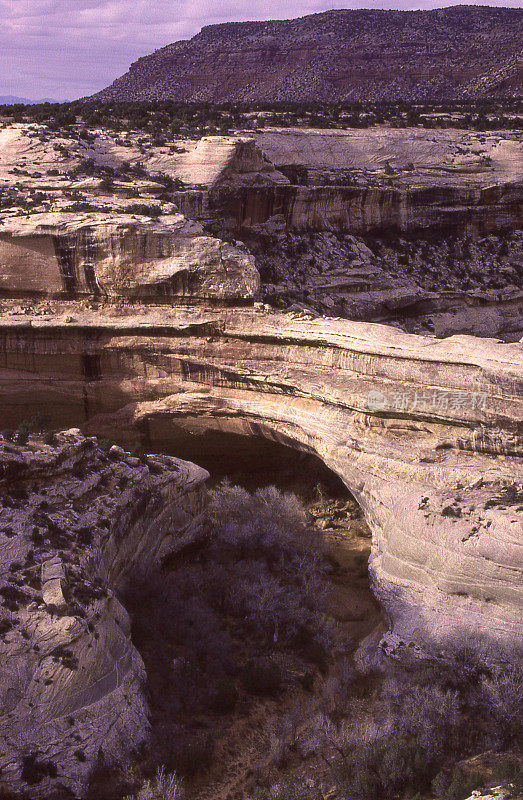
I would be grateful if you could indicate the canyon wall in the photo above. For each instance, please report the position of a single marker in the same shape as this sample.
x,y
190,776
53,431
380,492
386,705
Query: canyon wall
x,y
425,432
362,210
383,178
75,523
105,256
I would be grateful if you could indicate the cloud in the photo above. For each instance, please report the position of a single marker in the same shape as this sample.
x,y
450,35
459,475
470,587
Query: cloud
x,y
69,48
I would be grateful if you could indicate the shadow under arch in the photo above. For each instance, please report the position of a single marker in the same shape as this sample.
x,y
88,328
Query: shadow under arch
x,y
250,455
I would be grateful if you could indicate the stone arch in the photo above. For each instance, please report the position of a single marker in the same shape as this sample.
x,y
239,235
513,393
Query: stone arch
x,y
444,554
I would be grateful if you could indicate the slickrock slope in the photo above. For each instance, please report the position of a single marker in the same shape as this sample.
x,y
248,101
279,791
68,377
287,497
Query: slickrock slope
x,y
383,178
74,522
337,55
425,433
419,228
399,157
35,156
214,160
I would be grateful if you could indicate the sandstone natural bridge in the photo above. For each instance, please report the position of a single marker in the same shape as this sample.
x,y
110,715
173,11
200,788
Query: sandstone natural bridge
x,y
425,433
131,328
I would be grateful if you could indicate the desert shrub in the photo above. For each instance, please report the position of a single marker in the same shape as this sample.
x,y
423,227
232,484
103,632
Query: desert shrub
x,y
162,787
34,769
290,789
262,676
267,524
390,765
307,681
503,690
105,445
39,421
467,666
395,745
508,770
142,209
215,230
138,451
224,696
488,680
455,786
189,754
258,571
183,642
416,727
50,438
5,794
245,586
107,779
22,434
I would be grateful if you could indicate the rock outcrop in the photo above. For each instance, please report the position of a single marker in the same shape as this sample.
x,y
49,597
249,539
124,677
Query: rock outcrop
x,y
75,522
383,178
406,179
362,210
443,284
121,256
365,55
425,433
312,206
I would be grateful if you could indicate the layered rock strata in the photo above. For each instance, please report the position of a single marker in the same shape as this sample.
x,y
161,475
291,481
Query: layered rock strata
x,y
443,284
100,255
382,178
75,523
426,433
362,210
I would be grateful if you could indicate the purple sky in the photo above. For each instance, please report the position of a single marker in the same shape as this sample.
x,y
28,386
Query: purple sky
x,y
69,48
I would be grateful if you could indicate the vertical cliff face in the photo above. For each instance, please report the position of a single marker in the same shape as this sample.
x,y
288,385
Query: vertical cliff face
x,y
314,208
363,210
75,522
386,178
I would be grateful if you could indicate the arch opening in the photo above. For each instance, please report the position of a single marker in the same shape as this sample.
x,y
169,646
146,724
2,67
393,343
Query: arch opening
x,y
217,650
252,460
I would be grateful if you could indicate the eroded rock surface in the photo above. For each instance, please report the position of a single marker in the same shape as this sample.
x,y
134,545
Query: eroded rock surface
x,y
425,433
122,256
443,284
415,227
338,55
75,521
